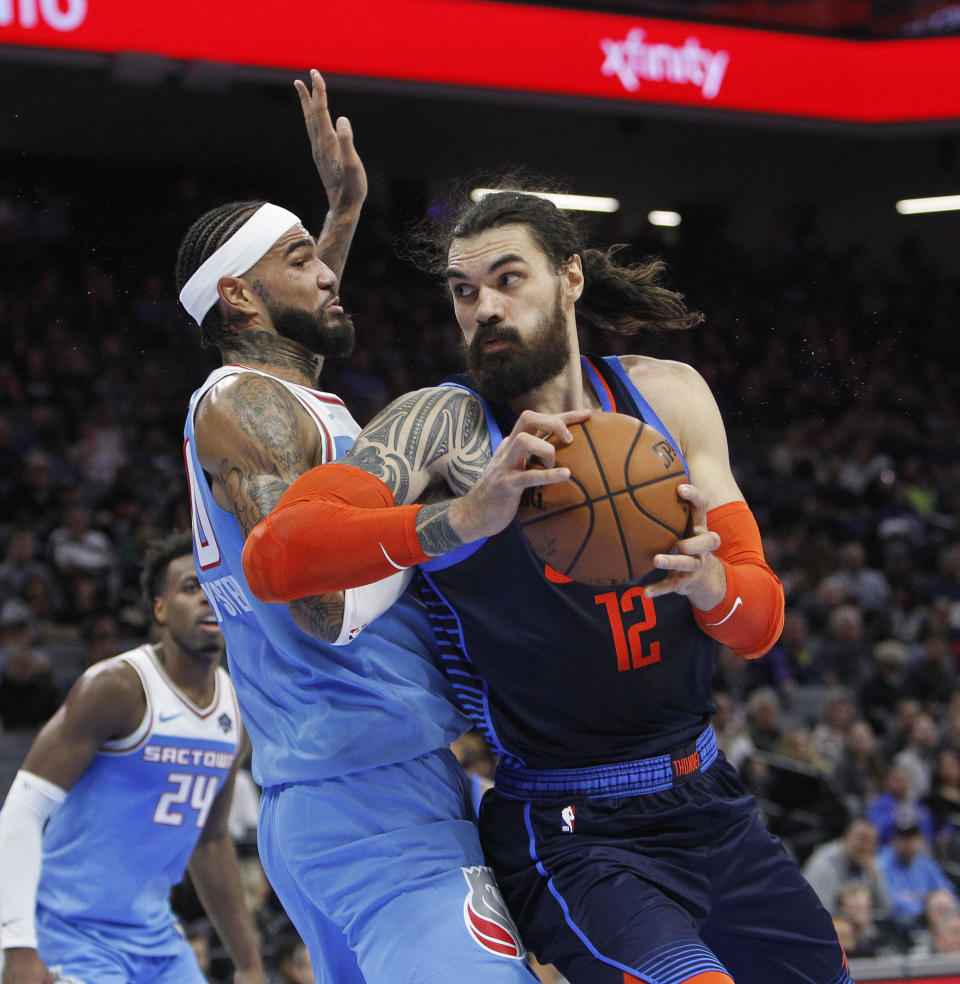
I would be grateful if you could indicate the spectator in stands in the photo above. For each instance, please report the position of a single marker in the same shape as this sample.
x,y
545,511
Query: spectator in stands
x,y
910,873
849,860
793,659
293,963
895,801
946,934
730,727
28,695
856,904
945,582
904,714
763,719
846,649
846,933
932,675
865,586
918,755
829,735
77,550
939,904
883,686
198,935
943,801
859,773
21,563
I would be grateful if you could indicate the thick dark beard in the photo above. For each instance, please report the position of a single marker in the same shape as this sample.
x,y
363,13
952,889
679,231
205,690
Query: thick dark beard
x,y
321,333
523,367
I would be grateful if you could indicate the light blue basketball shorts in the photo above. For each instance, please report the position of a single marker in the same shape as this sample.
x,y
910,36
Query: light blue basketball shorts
x,y
382,874
81,955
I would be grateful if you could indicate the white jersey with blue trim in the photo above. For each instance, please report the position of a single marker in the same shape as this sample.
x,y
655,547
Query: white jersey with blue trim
x,y
314,710
123,836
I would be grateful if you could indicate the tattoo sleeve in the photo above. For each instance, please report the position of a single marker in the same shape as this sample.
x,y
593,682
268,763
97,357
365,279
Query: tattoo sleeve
x,y
265,461
425,439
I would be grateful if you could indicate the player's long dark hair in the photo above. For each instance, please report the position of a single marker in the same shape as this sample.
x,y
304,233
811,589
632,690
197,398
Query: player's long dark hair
x,y
623,297
204,238
158,558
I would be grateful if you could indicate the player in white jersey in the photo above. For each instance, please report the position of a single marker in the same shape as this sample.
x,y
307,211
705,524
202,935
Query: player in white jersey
x,y
127,786
364,830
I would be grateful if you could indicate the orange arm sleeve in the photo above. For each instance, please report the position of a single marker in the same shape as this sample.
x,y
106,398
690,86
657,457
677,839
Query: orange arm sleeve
x,y
336,527
750,617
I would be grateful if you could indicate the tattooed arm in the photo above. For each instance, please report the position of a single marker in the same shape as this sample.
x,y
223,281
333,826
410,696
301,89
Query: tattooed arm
x,y
341,171
253,439
438,437
427,444
355,522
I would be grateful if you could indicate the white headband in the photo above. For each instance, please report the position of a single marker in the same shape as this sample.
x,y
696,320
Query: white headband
x,y
247,245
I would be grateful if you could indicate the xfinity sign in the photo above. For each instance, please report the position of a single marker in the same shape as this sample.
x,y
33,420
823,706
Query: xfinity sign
x,y
635,59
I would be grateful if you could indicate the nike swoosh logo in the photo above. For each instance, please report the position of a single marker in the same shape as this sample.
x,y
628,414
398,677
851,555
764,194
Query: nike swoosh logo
x,y
390,560
163,718
729,614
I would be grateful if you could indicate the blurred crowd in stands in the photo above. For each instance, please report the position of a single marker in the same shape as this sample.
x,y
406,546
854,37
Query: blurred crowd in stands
x,y
835,376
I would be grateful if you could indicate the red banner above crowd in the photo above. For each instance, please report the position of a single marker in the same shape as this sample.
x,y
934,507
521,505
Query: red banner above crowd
x,y
522,48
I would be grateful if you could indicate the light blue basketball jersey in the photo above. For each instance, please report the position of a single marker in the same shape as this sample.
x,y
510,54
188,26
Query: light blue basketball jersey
x,y
313,710
123,836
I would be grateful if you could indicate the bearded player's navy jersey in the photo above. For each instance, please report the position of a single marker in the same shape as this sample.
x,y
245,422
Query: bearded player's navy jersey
x,y
564,675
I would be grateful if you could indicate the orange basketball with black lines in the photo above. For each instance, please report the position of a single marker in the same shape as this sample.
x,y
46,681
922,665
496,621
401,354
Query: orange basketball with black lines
x,y
619,507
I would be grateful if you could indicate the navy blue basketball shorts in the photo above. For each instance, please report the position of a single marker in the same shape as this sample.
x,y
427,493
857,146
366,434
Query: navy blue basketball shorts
x,y
613,883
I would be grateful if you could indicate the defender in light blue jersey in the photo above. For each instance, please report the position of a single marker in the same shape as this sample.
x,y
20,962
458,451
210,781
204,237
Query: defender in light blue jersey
x,y
134,778
365,829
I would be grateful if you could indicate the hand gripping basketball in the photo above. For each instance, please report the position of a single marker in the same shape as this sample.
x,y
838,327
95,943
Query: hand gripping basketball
x,y
617,510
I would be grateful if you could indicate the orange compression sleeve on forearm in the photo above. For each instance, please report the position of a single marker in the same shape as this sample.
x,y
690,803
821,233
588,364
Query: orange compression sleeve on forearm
x,y
750,617
336,527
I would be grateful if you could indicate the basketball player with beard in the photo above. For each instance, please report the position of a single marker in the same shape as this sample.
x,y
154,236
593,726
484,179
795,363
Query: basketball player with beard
x,y
364,828
626,847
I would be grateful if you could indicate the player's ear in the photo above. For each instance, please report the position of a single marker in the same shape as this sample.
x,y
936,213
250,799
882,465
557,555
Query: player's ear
x,y
572,273
160,610
237,294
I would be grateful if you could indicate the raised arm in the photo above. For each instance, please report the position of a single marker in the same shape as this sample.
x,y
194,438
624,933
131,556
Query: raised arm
x,y
341,171
254,439
433,445
216,877
106,702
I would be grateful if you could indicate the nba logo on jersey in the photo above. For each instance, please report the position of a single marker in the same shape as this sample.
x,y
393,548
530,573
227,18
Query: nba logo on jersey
x,y
486,916
567,817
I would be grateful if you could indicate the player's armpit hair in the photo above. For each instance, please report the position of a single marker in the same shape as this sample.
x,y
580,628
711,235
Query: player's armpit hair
x,y
749,619
631,297
336,527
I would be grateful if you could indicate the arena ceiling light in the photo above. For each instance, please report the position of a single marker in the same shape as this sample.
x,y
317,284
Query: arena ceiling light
x,y
941,203
579,203
659,217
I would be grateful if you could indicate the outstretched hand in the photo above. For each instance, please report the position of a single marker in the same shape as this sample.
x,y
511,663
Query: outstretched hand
x,y
492,503
338,163
692,568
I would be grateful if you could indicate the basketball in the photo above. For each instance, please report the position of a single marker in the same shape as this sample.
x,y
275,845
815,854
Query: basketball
x,y
617,510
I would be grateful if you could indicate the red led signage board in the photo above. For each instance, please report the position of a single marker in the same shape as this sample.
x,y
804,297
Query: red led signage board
x,y
520,48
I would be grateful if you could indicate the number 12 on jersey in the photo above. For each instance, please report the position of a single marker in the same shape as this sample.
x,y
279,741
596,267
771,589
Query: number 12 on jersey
x,y
627,641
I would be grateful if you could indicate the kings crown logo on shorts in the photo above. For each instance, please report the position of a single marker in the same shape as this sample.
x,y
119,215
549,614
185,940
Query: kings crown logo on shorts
x,y
486,916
